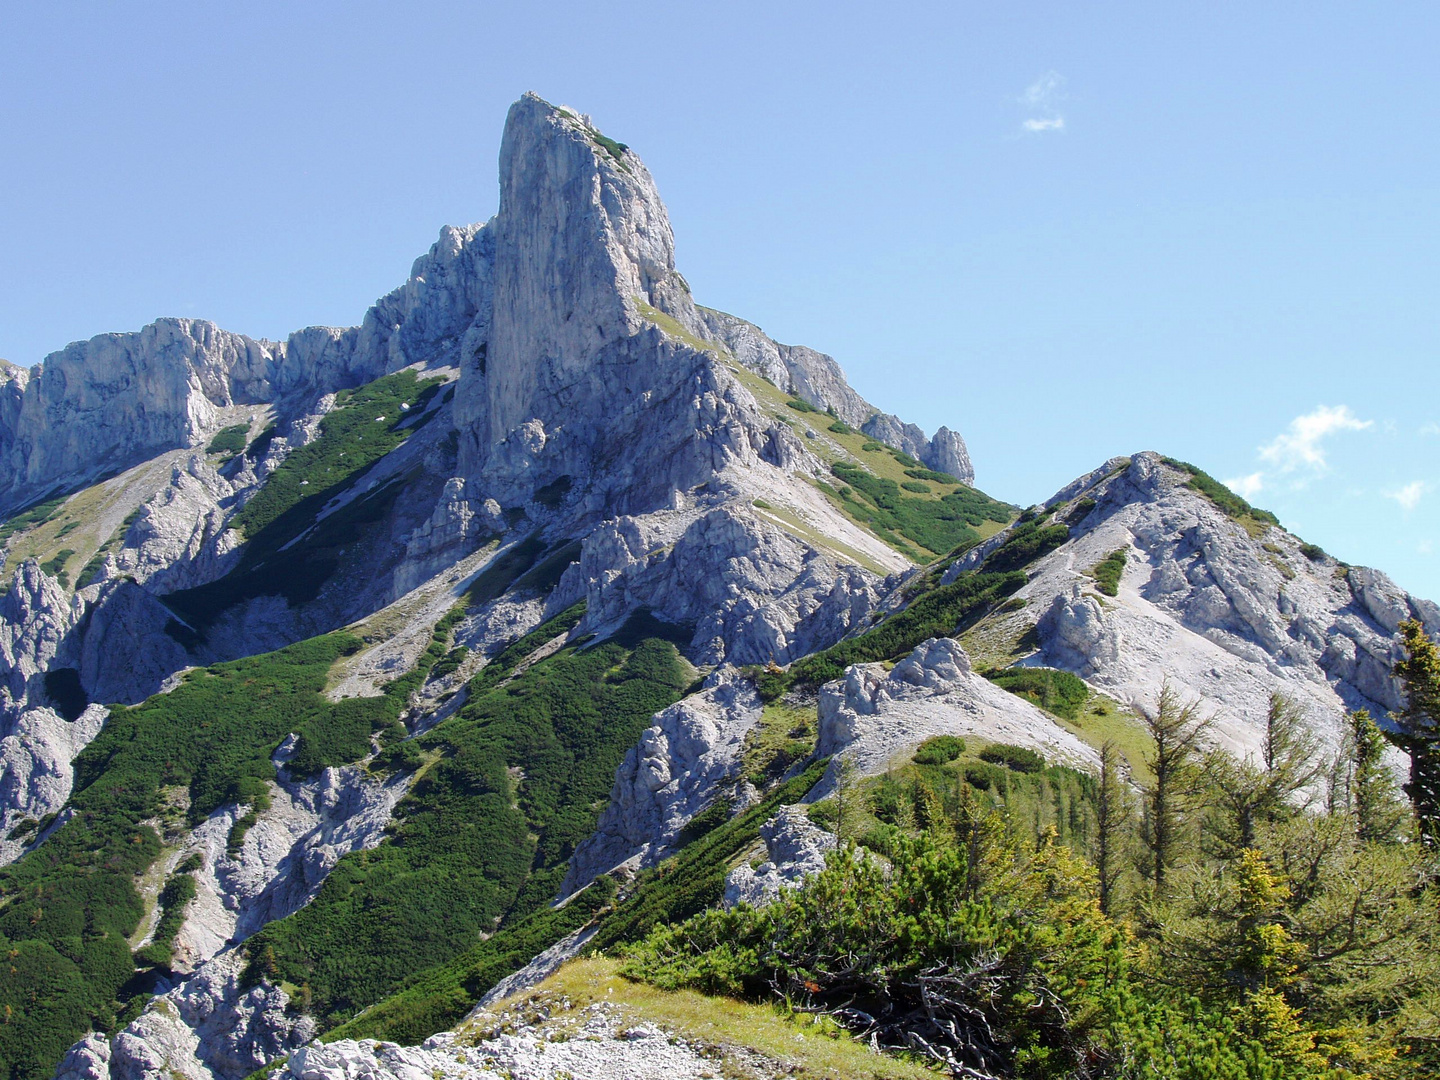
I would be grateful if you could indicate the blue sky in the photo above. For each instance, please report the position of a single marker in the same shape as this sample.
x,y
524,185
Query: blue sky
x,y
1068,231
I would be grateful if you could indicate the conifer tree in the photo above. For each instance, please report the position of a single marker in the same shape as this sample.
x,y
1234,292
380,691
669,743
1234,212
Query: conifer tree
x,y
1176,731
1375,803
1243,795
1419,727
1113,813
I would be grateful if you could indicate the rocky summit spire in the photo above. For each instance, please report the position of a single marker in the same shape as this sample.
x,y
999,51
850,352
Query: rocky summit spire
x,y
584,273
581,237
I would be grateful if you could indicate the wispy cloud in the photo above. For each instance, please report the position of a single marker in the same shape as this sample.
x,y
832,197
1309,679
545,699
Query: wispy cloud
x,y
1056,123
1247,487
1432,428
1042,100
1408,496
1299,446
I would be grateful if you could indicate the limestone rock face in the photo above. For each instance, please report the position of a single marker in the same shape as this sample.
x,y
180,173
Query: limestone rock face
x,y
35,618
100,406
209,1027
36,753
1229,618
947,453
752,591
179,538
683,761
871,716
125,653
89,1059
574,379
796,849
816,378
1078,633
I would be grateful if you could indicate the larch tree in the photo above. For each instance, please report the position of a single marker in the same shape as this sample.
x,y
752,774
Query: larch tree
x,y
1418,726
1176,731
1113,814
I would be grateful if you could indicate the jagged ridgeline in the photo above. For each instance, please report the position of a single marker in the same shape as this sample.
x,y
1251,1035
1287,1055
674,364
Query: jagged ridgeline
x,y
349,680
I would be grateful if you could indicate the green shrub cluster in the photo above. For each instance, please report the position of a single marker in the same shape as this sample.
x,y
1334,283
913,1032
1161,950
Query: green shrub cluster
x,y
1233,505
1019,758
1056,691
1108,570
916,486
937,613
938,525
839,427
484,836
55,566
505,662
1037,956
68,906
1313,552
440,997
450,662
932,476
985,939
988,952
615,149
1026,543
229,441
173,900
363,427
683,885
939,750
31,517
802,406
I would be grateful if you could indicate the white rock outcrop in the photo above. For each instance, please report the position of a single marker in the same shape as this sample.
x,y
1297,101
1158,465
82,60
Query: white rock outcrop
x,y
603,1046
796,848
99,406
1226,617
871,716
685,760
752,591
36,776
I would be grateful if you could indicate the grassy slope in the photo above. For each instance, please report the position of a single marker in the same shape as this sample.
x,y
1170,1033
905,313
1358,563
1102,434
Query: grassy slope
x,y
68,906
808,1047
684,884
357,433
483,838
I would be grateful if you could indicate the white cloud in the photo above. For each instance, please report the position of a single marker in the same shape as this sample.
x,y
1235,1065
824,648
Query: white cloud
x,y
1300,445
1247,487
1408,496
1043,92
1432,428
1042,97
